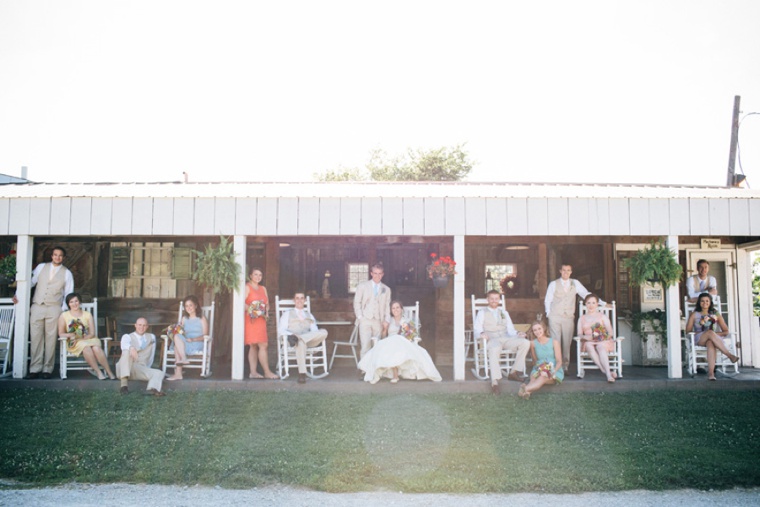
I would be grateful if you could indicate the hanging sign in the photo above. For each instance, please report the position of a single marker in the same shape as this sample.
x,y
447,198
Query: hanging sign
x,y
710,244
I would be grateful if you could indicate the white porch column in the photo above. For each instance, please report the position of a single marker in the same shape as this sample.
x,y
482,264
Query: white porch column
x,y
24,248
750,351
238,306
459,358
672,307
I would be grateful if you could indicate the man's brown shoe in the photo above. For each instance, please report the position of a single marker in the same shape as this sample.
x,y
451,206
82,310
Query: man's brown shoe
x,y
154,392
124,390
495,389
301,378
517,376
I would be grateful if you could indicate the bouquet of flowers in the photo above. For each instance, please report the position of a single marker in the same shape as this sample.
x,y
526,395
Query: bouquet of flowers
x,y
441,266
257,309
599,332
408,331
174,329
708,322
77,327
546,369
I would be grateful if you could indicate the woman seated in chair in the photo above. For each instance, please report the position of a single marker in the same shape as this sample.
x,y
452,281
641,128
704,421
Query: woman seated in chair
x,y
547,360
596,333
709,328
78,327
195,327
399,354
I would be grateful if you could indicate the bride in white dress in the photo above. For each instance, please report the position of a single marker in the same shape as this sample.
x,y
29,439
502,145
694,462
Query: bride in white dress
x,y
398,355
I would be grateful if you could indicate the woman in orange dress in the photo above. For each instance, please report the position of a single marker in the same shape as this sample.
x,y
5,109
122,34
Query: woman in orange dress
x,y
256,325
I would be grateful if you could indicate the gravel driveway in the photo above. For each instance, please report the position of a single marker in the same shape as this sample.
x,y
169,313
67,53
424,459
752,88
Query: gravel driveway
x,y
84,495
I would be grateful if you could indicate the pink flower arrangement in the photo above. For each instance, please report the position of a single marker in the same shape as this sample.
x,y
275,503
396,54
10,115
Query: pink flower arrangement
x,y
77,327
545,369
441,266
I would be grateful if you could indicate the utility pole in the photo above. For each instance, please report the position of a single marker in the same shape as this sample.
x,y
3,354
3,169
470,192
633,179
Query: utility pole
x,y
731,177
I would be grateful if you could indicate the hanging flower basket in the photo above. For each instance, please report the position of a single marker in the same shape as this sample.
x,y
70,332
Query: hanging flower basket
x,y
439,282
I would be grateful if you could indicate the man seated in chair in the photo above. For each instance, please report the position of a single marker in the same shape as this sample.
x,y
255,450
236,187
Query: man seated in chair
x,y
137,350
495,325
300,327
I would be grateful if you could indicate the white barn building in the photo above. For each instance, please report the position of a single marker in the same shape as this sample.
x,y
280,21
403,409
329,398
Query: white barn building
x,y
129,245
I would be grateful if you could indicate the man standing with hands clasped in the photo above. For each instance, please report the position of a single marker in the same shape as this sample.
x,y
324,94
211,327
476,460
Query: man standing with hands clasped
x,y
53,281
372,306
701,282
496,326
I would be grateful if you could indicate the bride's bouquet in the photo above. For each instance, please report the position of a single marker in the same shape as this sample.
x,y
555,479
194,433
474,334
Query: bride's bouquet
x,y
408,331
257,309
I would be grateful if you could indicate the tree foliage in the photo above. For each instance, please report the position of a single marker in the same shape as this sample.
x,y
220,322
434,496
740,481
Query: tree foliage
x,y
439,164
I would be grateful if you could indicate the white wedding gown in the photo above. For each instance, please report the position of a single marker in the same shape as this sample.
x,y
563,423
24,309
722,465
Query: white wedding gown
x,y
413,362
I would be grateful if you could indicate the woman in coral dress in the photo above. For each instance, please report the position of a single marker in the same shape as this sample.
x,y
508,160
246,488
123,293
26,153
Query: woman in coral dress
x,y
595,332
256,312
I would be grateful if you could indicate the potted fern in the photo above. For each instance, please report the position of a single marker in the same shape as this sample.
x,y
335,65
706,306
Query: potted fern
x,y
652,268
654,264
218,271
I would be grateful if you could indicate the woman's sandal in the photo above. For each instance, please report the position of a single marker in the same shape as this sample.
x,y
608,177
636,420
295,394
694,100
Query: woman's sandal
x,y
272,376
522,393
255,376
394,380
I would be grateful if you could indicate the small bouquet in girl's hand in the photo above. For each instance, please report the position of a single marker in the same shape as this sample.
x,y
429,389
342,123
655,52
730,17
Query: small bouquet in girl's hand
x,y
173,330
599,332
707,322
257,309
77,327
545,369
408,331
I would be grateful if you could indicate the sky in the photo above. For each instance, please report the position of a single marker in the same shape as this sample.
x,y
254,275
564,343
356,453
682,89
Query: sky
x,y
542,91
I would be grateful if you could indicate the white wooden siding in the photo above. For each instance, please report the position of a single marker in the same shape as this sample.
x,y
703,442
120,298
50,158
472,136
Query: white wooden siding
x,y
374,216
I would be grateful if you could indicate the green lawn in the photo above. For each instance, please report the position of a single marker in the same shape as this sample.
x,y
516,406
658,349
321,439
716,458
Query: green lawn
x,y
557,443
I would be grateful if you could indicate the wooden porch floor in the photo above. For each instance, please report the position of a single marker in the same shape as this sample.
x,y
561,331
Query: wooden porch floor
x,y
344,379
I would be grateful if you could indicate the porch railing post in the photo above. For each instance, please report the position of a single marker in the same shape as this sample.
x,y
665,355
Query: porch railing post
x,y
24,249
672,307
459,300
238,305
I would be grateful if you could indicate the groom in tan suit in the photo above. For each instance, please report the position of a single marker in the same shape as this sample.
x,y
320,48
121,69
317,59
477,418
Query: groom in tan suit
x,y
372,305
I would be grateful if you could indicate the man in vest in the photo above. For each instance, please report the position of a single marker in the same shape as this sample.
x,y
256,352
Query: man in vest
x,y
560,303
495,325
372,306
137,350
300,327
53,282
701,282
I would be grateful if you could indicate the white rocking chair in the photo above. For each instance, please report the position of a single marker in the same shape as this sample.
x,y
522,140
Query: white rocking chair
x,y
697,355
69,361
316,357
200,360
352,343
480,345
615,357
7,323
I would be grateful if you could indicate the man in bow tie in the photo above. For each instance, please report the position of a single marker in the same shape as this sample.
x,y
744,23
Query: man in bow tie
x,y
372,306
300,327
